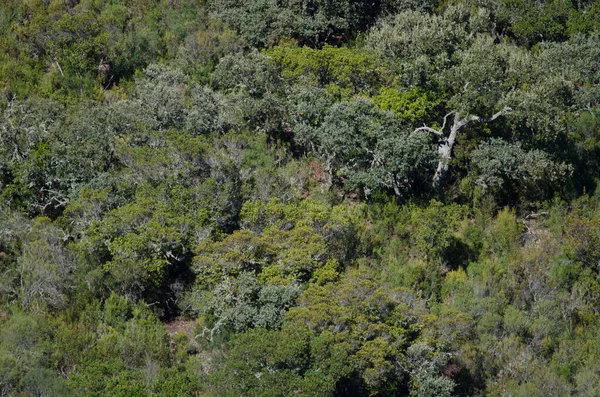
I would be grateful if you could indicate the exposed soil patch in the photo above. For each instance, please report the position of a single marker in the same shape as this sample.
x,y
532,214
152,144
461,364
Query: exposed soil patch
x,y
185,326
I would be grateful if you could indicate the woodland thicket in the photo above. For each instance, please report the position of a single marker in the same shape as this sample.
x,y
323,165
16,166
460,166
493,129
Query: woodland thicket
x,y
299,198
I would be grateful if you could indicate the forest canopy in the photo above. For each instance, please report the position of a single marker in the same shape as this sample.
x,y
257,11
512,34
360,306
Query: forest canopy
x,y
278,198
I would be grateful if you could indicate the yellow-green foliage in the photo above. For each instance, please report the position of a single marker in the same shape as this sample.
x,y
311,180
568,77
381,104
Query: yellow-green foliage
x,y
280,243
343,71
505,233
411,105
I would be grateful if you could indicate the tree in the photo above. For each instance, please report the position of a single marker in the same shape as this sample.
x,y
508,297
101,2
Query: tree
x,y
471,69
419,45
263,22
343,71
532,174
367,145
478,87
42,276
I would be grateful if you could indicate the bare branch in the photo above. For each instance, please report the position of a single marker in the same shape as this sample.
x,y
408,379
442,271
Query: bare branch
x,y
502,112
536,216
439,132
429,129
445,119
59,68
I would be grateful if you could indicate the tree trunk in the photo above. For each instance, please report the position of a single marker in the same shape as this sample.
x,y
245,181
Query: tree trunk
x,y
445,149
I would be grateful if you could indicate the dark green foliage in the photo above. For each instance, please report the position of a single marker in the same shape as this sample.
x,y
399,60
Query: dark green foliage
x,y
262,23
369,147
345,350
532,22
506,167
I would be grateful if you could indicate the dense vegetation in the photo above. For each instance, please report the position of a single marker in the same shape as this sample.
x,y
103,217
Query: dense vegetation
x,y
287,198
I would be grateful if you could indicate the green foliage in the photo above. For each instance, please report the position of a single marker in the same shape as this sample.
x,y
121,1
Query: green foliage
x,y
243,303
413,105
484,75
85,46
365,321
532,22
146,241
507,167
202,50
282,198
343,71
262,23
505,233
24,355
425,377
584,21
369,147
280,243
345,349
418,45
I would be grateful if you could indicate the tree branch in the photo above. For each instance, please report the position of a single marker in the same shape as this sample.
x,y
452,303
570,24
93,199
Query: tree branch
x,y
445,119
439,132
505,110
59,68
429,129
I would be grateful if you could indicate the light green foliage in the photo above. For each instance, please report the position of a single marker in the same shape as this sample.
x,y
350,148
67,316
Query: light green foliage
x,y
24,352
342,71
130,332
505,233
279,242
413,105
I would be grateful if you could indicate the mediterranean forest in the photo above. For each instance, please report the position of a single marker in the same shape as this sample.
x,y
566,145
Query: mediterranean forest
x,y
300,198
